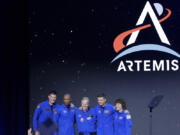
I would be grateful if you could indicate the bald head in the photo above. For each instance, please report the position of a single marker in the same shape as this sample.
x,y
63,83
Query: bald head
x,y
67,99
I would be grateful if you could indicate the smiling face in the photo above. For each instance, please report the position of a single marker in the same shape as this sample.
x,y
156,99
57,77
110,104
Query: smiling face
x,y
52,98
101,101
118,107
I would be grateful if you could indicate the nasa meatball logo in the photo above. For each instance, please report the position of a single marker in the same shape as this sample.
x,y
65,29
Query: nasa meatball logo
x,y
131,46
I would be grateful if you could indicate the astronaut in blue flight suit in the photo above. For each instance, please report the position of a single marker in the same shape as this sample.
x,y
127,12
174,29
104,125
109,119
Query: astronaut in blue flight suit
x,y
122,120
45,111
86,118
105,113
65,117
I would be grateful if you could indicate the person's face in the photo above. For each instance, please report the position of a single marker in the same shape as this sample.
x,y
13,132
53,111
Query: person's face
x,y
67,100
52,98
85,104
101,101
118,106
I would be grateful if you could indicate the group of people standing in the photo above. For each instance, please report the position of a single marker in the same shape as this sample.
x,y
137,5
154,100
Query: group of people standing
x,y
104,119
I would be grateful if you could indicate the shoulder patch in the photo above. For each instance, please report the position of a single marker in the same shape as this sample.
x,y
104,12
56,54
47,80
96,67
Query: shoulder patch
x,y
128,116
38,106
47,109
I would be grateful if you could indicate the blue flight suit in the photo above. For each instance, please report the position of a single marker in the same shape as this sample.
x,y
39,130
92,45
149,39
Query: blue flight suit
x,y
86,121
66,119
105,119
43,112
122,123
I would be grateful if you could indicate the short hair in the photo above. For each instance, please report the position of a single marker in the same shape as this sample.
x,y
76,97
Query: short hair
x,y
52,92
85,98
101,95
122,102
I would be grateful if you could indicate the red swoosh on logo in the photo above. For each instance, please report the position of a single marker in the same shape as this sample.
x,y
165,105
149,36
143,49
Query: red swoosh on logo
x,y
118,42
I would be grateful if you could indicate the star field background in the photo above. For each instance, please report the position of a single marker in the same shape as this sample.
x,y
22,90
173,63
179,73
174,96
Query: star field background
x,y
70,50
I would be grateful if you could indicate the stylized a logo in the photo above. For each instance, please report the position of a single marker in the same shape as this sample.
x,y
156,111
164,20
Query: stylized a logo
x,y
119,45
148,10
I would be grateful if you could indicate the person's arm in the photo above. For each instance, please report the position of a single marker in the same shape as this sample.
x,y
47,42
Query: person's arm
x,y
57,118
114,111
36,117
128,124
58,115
95,115
75,115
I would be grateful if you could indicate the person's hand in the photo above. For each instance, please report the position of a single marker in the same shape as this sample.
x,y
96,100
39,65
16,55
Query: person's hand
x,y
37,133
126,111
80,108
30,131
72,105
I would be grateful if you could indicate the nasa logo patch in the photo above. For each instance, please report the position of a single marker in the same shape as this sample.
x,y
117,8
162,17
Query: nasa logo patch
x,y
47,109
